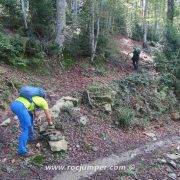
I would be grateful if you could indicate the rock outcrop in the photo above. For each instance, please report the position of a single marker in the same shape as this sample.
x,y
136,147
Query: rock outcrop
x,y
100,96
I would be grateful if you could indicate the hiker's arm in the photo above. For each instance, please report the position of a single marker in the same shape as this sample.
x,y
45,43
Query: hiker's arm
x,y
48,116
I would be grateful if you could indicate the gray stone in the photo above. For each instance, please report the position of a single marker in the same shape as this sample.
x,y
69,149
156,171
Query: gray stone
x,y
74,100
56,137
175,116
172,163
43,128
6,122
169,170
172,176
60,145
67,105
83,121
108,108
173,156
152,135
161,160
95,148
78,146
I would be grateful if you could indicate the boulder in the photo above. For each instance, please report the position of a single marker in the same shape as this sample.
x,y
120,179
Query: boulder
x,y
65,103
56,136
108,108
6,122
100,96
152,135
57,146
74,100
43,128
83,121
172,176
175,116
173,156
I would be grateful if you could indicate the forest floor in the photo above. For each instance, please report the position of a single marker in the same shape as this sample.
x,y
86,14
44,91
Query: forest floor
x,y
148,165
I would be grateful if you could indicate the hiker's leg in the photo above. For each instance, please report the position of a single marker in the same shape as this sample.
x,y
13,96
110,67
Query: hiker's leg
x,y
25,122
134,63
31,128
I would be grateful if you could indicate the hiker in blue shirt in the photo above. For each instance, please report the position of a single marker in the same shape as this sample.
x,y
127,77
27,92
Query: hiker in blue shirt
x,y
24,106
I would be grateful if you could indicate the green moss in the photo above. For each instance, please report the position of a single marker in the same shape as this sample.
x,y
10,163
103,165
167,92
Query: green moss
x,y
38,160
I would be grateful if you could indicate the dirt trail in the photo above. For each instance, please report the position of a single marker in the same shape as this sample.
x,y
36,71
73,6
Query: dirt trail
x,y
116,159
126,46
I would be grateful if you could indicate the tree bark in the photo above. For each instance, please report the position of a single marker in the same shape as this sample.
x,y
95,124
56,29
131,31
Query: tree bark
x,y
93,36
60,22
145,6
24,9
170,12
170,18
74,11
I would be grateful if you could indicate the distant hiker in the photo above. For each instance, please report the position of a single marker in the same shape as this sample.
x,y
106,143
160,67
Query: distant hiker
x,y
24,106
135,58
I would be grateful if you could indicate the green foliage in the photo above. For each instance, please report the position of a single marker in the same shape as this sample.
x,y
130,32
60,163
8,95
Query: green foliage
x,y
106,47
137,32
38,160
124,116
20,52
68,61
147,95
33,47
152,35
42,18
167,79
7,50
137,79
172,41
51,49
167,64
11,14
78,45
20,62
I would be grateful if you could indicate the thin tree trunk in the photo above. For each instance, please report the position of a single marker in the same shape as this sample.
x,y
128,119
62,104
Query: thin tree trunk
x,y
170,12
156,18
145,5
110,21
24,8
61,22
96,39
74,11
170,18
92,35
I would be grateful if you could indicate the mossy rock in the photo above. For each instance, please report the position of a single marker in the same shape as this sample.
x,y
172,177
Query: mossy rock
x,y
100,94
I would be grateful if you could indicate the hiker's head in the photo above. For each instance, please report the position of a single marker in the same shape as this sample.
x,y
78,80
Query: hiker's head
x,y
137,49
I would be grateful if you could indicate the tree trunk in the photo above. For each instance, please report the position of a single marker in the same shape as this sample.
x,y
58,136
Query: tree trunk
x,y
170,12
145,6
93,36
170,17
156,18
60,22
24,9
74,11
